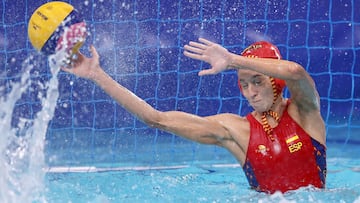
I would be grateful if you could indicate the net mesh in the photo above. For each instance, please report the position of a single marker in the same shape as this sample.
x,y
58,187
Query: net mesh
x,y
141,45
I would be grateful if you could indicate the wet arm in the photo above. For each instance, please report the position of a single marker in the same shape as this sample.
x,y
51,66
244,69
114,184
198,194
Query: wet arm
x,y
200,129
299,82
193,127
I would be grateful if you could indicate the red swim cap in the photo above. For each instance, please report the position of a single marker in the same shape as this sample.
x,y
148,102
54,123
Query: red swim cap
x,y
263,49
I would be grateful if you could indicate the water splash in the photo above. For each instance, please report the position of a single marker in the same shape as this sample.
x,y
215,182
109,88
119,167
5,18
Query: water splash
x,y
22,147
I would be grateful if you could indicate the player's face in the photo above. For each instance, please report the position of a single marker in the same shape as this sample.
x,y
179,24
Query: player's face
x,y
257,89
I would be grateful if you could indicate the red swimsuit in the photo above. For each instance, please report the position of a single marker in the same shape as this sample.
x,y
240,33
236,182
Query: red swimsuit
x,y
291,161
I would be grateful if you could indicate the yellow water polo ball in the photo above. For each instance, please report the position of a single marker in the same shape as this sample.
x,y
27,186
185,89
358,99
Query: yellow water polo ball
x,y
56,25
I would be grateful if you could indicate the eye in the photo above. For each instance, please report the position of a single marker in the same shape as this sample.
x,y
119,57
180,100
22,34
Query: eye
x,y
257,82
244,85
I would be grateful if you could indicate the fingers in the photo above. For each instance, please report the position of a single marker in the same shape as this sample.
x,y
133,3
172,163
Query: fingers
x,y
198,45
94,52
207,72
76,59
193,49
193,55
196,50
205,41
66,69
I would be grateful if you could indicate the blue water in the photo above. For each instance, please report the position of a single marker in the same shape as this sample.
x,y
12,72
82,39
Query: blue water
x,y
200,181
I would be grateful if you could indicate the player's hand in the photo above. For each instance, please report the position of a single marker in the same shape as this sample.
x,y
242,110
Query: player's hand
x,y
214,54
83,66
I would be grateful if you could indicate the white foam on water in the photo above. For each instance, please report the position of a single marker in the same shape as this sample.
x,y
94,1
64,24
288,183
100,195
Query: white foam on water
x,y
22,147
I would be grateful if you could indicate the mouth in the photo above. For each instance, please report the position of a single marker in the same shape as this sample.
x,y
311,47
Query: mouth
x,y
254,102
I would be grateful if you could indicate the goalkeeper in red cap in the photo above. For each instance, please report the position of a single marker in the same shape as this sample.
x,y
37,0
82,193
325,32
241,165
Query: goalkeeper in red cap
x,y
280,145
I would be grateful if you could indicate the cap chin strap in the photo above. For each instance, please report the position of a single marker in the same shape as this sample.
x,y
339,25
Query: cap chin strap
x,y
265,123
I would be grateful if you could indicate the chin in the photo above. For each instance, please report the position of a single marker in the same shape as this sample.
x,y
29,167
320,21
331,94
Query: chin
x,y
260,109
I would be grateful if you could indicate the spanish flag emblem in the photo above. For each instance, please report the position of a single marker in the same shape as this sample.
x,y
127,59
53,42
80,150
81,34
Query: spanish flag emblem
x,y
292,139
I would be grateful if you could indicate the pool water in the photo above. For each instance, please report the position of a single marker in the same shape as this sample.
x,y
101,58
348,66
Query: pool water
x,y
200,182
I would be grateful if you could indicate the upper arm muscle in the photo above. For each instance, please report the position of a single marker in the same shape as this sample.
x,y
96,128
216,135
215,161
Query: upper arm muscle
x,y
206,130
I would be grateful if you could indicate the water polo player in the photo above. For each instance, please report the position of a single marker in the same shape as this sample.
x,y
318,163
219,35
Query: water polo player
x,y
281,144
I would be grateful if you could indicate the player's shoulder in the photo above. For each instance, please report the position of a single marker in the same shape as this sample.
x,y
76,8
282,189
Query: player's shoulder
x,y
230,117
232,122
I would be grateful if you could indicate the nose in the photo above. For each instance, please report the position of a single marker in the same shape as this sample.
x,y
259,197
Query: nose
x,y
252,91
